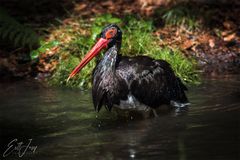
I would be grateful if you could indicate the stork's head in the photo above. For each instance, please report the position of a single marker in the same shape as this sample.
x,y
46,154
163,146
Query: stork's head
x,y
110,35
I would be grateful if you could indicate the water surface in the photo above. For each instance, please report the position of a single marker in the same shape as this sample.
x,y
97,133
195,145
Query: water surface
x,y
63,125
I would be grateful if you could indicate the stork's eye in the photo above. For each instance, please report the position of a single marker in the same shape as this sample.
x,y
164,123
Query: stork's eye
x,y
110,33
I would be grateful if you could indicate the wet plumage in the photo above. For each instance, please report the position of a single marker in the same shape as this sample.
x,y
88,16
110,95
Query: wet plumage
x,y
130,82
151,82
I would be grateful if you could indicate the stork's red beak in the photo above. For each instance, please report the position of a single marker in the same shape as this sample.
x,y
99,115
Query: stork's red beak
x,y
101,43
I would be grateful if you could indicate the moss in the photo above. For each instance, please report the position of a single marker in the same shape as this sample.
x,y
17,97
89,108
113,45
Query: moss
x,y
137,40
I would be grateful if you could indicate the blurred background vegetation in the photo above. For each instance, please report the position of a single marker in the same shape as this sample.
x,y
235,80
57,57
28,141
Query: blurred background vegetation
x,y
46,39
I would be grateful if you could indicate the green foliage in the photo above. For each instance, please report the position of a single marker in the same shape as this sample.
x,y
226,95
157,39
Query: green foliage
x,y
44,46
69,57
137,35
75,51
16,33
101,21
182,16
82,80
137,40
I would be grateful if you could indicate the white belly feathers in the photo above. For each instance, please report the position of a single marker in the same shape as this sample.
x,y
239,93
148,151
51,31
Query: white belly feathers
x,y
132,103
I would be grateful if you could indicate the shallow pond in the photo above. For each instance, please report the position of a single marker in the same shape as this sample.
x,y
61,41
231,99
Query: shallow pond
x,y
61,124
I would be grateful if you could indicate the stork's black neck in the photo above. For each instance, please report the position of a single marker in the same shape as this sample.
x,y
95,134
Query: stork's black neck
x,y
108,62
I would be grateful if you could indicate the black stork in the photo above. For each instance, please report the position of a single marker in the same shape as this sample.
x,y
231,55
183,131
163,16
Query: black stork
x,y
139,82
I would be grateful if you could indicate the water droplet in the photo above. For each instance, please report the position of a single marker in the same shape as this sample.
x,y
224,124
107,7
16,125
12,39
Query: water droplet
x,y
132,153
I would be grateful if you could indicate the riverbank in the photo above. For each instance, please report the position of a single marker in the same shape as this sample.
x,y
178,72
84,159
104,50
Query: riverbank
x,y
207,33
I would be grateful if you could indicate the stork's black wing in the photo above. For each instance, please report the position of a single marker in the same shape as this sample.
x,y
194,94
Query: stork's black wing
x,y
152,82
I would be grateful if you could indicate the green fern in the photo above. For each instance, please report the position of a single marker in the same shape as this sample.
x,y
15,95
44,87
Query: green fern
x,y
16,33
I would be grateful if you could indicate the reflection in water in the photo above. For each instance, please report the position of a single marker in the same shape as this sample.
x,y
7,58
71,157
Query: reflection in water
x,y
63,124
181,148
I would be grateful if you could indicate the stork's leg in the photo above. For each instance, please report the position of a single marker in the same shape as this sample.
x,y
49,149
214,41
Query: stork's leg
x,y
155,113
